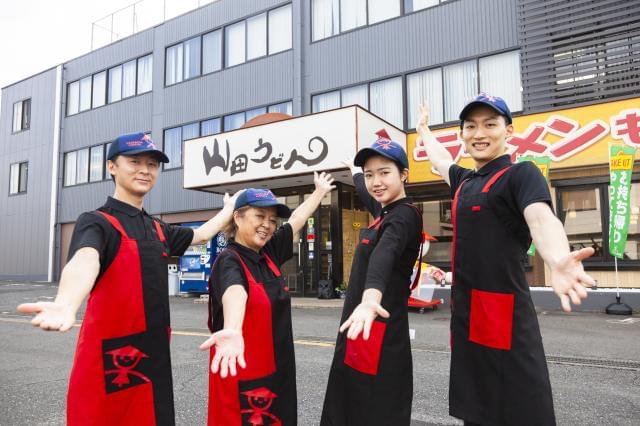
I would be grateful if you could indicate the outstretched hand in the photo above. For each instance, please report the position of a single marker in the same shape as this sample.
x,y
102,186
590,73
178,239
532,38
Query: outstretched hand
x,y
49,315
229,345
323,182
361,319
422,126
569,280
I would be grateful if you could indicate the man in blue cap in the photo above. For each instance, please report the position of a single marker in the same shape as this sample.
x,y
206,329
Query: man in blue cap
x,y
118,257
499,373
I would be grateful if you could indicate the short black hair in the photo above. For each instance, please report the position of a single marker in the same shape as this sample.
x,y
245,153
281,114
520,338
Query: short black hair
x,y
115,157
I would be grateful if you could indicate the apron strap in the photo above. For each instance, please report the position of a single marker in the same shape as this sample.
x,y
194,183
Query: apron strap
x,y
377,223
272,265
159,231
247,272
423,238
115,223
494,179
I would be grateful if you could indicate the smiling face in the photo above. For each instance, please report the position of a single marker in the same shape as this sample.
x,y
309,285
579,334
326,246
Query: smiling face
x,y
135,174
384,180
484,133
256,226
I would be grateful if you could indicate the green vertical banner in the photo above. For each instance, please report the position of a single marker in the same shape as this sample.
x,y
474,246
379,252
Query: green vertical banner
x,y
620,168
543,163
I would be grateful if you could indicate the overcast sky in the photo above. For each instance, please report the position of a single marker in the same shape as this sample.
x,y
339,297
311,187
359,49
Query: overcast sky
x,y
38,34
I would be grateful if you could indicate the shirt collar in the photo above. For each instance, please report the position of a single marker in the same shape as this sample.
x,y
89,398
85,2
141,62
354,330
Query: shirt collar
x,y
386,209
123,207
494,165
246,252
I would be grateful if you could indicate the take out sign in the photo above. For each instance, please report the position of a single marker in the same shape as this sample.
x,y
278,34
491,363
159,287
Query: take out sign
x,y
284,153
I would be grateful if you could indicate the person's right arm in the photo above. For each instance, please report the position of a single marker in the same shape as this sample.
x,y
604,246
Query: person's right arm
x,y
438,155
76,281
370,203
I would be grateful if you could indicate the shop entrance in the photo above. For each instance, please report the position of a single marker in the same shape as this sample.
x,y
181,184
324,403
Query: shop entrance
x,y
312,259
323,250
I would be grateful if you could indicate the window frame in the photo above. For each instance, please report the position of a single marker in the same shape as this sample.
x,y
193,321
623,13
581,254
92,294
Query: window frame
x,y
24,124
606,261
19,165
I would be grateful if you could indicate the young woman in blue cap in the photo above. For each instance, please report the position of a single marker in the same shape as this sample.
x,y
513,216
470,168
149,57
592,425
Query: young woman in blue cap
x,y
253,370
499,372
371,377
118,257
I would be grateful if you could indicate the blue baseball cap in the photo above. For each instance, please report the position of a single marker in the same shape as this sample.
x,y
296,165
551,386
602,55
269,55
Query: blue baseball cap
x,y
494,102
261,198
135,143
383,146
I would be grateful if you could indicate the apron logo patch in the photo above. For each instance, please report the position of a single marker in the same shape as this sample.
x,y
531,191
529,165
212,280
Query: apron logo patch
x,y
260,400
120,368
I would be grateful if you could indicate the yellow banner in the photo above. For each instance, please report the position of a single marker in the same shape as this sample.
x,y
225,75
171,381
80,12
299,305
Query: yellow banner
x,y
571,138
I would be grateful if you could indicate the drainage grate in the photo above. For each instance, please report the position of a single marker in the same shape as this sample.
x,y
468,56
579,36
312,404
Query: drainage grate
x,y
595,362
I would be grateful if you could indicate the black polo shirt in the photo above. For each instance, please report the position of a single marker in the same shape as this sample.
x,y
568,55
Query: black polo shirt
x,y
227,270
93,230
523,184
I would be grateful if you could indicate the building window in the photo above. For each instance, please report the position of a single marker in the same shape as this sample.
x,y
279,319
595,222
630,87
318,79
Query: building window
x,y
191,58
85,94
500,76
99,97
174,64
325,17
584,211
129,79
212,52
210,127
460,85
425,88
96,162
18,178
353,14
110,86
70,168
383,98
381,10
82,167
115,84
257,36
21,115
107,175
280,29
73,98
234,121
414,5
284,108
173,139
145,74
235,44
436,217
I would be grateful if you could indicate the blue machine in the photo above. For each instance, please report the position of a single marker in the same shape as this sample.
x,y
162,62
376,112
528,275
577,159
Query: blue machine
x,y
196,262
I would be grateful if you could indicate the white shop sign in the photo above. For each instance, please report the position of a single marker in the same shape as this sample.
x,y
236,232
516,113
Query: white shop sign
x,y
284,153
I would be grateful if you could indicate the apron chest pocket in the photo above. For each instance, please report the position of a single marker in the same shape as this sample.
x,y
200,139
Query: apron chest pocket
x,y
364,355
491,319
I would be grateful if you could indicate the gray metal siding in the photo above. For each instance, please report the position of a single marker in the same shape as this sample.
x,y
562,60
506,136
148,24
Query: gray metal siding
x,y
579,52
449,32
24,218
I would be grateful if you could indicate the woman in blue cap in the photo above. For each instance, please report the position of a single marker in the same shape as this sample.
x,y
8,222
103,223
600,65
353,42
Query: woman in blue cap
x,y
253,371
371,378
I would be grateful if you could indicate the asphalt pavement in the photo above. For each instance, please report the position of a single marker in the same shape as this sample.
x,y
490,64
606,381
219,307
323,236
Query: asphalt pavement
x,y
594,363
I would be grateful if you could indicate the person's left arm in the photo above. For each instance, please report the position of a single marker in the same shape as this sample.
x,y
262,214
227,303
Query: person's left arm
x,y
217,223
531,194
324,184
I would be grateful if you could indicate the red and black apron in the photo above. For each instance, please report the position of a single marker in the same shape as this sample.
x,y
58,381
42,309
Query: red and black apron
x,y
499,373
263,393
121,373
371,381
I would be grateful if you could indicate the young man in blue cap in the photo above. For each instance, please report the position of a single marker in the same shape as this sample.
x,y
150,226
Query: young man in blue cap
x,y
499,373
118,256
